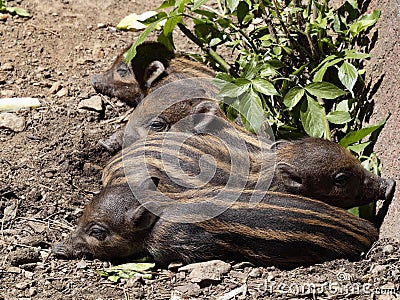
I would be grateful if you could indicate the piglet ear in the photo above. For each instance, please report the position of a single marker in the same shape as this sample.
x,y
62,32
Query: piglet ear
x,y
289,176
206,117
140,218
153,72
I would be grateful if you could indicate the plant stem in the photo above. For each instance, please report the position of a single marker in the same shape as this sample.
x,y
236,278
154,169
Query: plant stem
x,y
219,59
244,34
268,21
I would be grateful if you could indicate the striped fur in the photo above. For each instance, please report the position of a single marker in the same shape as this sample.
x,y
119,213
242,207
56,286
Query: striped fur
x,y
283,230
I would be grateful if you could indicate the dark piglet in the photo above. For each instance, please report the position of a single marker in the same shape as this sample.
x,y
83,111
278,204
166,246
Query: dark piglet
x,y
154,65
283,230
311,167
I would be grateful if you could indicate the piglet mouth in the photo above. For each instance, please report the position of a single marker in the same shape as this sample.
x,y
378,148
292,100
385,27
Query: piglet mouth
x,y
63,251
60,250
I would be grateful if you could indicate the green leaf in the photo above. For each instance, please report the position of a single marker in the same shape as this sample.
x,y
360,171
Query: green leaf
x,y
232,4
364,22
166,4
170,24
339,117
222,79
235,89
250,107
293,96
343,106
313,119
352,54
242,11
19,11
354,211
130,54
319,75
197,4
358,148
355,136
127,271
324,90
348,75
264,87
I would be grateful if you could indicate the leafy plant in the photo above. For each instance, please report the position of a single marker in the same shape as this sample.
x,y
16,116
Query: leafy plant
x,y
12,10
297,63
127,271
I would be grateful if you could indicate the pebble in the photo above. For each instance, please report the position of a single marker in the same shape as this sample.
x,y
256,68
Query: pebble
x,y
28,274
206,273
101,25
15,270
93,103
81,264
7,93
37,227
388,249
63,92
378,269
255,273
12,121
24,256
22,285
55,87
32,292
3,17
189,290
7,67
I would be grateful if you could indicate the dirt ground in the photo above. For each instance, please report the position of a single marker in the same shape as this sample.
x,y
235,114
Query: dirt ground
x,y
50,169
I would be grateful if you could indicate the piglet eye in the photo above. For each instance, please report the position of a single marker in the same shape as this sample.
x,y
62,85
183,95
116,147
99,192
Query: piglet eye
x,y
97,232
122,70
341,179
158,124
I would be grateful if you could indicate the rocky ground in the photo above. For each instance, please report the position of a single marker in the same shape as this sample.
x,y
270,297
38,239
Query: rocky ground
x,y
50,167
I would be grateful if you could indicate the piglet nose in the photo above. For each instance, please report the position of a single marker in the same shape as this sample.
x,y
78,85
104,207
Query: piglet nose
x,y
390,188
60,250
95,80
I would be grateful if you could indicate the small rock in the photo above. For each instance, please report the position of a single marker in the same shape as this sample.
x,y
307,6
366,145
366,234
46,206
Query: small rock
x,y
7,67
9,212
7,93
255,273
12,121
3,17
189,290
93,103
32,292
49,175
378,269
101,25
388,249
63,92
238,275
208,272
55,87
24,256
22,285
15,270
81,265
37,227
28,274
